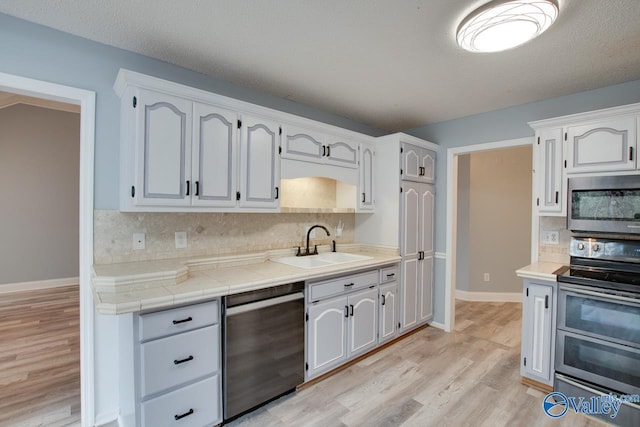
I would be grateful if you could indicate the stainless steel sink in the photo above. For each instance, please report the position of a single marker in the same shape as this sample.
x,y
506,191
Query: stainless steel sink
x,y
321,260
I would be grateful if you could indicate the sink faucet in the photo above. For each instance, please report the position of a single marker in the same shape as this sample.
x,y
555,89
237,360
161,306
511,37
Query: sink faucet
x,y
315,251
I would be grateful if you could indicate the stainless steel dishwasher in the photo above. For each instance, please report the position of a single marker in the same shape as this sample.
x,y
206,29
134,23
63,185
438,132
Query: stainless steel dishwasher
x,y
263,349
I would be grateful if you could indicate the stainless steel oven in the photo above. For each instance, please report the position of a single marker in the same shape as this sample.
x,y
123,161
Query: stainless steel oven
x,y
598,323
604,204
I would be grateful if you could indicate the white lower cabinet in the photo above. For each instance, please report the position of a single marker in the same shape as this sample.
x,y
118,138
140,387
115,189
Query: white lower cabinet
x,y
342,320
197,404
362,323
388,312
538,330
171,373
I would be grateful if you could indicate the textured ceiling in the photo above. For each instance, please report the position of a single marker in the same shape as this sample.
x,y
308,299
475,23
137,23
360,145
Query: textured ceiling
x,y
392,64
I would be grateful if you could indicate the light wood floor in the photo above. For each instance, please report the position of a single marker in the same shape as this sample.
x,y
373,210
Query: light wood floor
x,y
466,378
40,358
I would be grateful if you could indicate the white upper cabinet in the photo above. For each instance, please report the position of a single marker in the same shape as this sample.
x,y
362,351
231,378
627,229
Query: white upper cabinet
x,y
302,144
259,163
163,149
342,152
367,162
549,172
418,164
603,145
214,167
313,146
184,149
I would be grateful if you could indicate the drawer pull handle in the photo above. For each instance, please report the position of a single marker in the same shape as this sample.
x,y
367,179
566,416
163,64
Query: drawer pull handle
x,y
188,359
188,319
186,414
348,285
391,274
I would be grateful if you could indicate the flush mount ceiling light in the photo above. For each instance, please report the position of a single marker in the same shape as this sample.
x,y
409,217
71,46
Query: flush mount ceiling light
x,y
504,24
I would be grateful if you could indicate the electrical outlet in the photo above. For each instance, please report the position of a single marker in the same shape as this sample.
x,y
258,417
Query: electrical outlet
x,y
487,277
138,241
551,237
181,239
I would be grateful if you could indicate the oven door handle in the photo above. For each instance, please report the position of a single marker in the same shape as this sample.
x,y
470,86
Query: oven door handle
x,y
602,295
590,390
264,303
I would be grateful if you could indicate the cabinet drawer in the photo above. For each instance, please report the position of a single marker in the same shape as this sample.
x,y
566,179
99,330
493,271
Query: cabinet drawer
x,y
182,319
174,360
195,405
389,274
344,284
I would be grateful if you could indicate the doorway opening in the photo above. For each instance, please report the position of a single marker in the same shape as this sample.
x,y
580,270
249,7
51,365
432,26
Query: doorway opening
x,y
458,168
86,101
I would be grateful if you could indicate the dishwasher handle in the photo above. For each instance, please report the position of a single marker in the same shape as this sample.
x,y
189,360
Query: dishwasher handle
x,y
263,304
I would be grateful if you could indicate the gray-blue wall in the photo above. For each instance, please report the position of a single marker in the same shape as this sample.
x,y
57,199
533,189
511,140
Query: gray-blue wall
x,y
500,125
39,52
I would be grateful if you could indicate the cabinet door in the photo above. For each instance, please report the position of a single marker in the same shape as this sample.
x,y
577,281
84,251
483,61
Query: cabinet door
x,y
411,162
537,333
366,178
388,312
259,163
363,321
418,164
342,152
163,149
302,144
426,233
549,172
326,340
410,245
428,166
606,145
214,156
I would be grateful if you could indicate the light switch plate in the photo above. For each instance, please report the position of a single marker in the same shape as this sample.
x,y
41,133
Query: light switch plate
x,y
138,241
181,239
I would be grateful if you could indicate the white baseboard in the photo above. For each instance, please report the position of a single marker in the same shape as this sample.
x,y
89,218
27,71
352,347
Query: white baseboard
x,y
489,296
39,284
437,325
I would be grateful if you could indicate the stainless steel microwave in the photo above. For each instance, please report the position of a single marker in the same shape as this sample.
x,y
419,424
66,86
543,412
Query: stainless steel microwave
x,y
604,204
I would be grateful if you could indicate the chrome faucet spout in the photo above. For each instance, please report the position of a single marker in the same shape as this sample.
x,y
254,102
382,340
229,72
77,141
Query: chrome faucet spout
x,y
307,252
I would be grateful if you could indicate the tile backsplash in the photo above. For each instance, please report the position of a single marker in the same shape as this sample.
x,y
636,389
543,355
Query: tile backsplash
x,y
554,253
208,234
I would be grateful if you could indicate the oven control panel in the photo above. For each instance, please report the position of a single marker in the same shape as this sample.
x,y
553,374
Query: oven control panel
x,y
609,249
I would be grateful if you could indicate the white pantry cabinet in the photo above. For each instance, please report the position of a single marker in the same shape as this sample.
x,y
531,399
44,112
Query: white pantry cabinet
x,y
538,330
417,251
404,218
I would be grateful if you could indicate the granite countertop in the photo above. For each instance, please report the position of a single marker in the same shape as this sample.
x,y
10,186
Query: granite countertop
x,y
135,286
540,270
